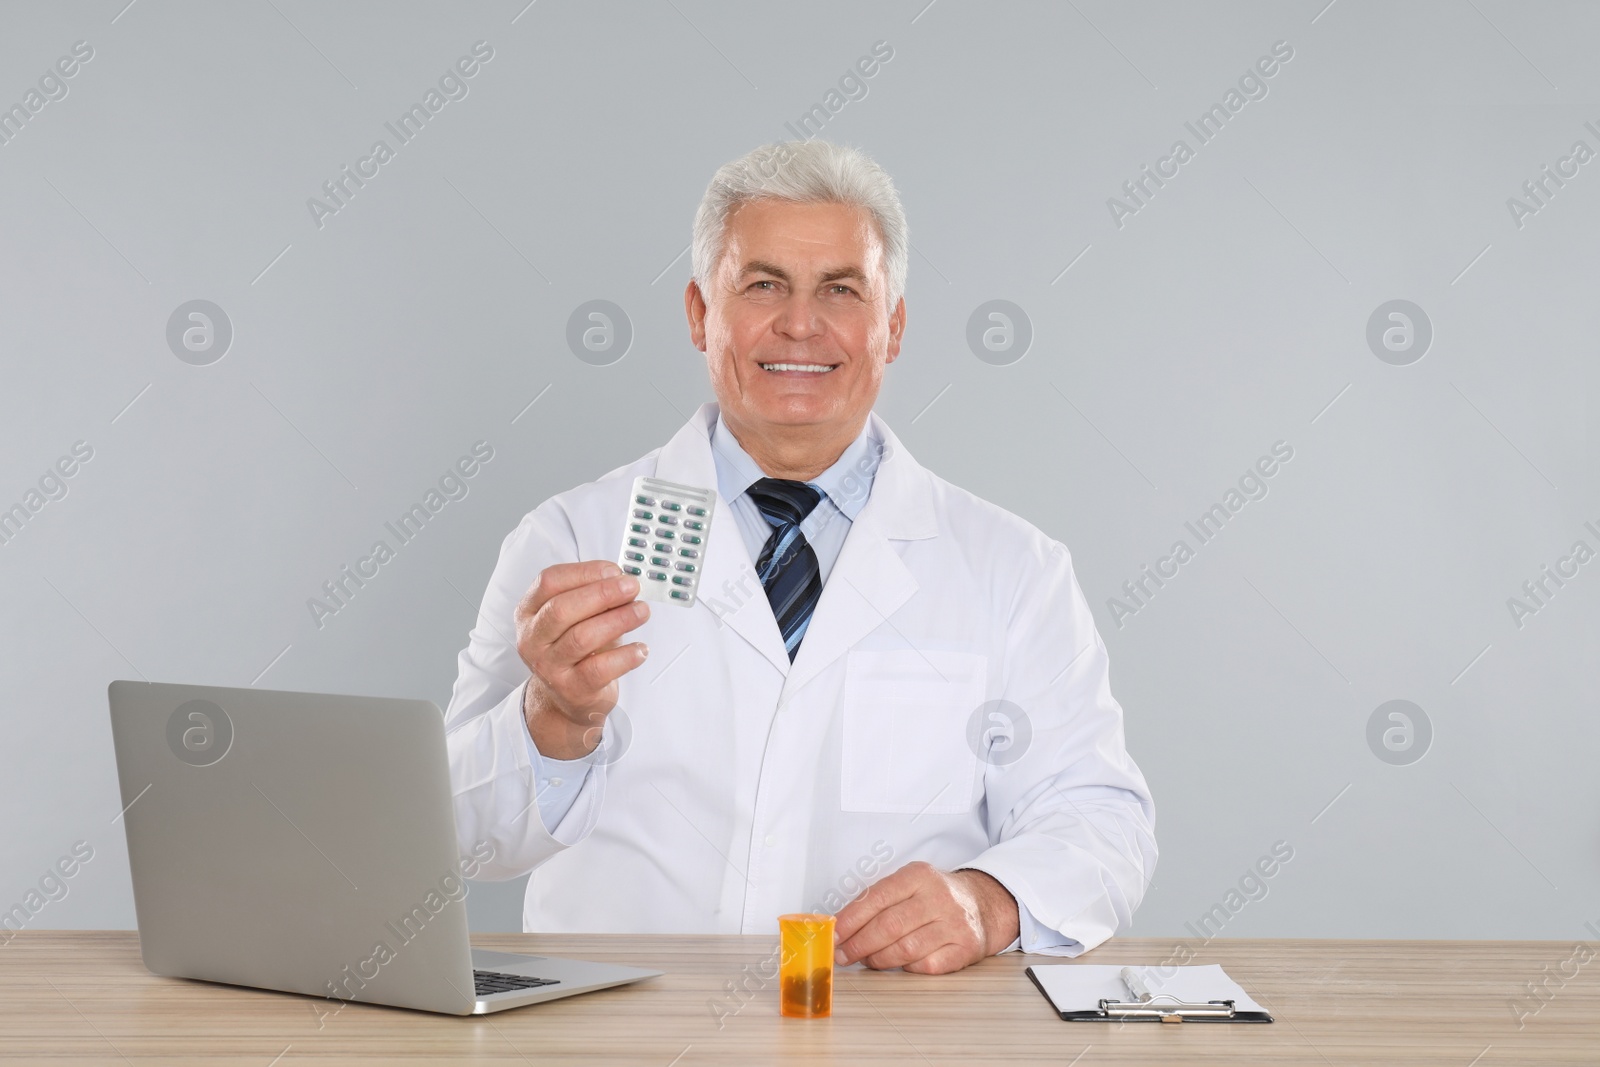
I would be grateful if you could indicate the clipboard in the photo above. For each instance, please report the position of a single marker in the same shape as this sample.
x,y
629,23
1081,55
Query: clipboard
x,y
1090,993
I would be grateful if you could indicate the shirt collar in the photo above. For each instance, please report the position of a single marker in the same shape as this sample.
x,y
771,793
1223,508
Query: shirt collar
x,y
847,483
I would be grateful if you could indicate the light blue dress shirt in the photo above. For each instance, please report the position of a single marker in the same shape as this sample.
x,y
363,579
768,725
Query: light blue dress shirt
x,y
845,487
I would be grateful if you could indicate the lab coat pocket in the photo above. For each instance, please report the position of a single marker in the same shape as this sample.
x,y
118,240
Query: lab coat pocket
x,y
905,731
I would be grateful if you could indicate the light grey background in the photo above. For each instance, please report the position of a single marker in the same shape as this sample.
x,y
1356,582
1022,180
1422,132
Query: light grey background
x,y
1228,314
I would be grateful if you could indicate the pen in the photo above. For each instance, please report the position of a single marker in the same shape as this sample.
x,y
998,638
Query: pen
x,y
1136,987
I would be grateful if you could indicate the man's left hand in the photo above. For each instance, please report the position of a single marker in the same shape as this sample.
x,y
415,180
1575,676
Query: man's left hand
x,y
926,920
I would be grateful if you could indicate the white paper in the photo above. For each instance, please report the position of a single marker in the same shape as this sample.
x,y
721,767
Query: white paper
x,y
1081,987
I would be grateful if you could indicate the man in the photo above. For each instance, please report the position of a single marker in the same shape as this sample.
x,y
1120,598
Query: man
x,y
885,680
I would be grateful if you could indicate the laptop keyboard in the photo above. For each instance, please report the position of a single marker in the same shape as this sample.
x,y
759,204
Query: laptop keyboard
x,y
487,983
490,983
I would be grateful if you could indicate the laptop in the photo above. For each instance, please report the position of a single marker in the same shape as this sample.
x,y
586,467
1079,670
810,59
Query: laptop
x,y
307,843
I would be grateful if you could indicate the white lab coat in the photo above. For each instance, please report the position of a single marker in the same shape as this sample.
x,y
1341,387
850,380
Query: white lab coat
x,y
751,787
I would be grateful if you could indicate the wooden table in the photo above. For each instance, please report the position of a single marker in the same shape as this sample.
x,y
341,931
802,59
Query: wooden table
x,y
85,998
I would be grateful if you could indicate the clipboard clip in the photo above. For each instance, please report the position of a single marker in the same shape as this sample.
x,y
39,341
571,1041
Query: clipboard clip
x,y
1172,1011
1144,1005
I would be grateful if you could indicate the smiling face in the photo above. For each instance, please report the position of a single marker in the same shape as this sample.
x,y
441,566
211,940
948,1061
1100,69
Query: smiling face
x,y
797,329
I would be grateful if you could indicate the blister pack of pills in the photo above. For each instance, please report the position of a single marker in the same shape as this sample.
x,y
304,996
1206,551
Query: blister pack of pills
x,y
664,542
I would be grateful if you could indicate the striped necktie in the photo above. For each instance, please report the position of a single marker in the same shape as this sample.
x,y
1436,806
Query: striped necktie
x,y
788,566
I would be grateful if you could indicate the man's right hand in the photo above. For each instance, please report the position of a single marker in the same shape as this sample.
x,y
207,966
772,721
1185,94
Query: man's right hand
x,y
567,631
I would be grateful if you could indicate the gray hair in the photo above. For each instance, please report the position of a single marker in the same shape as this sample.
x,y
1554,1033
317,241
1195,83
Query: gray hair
x,y
806,172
